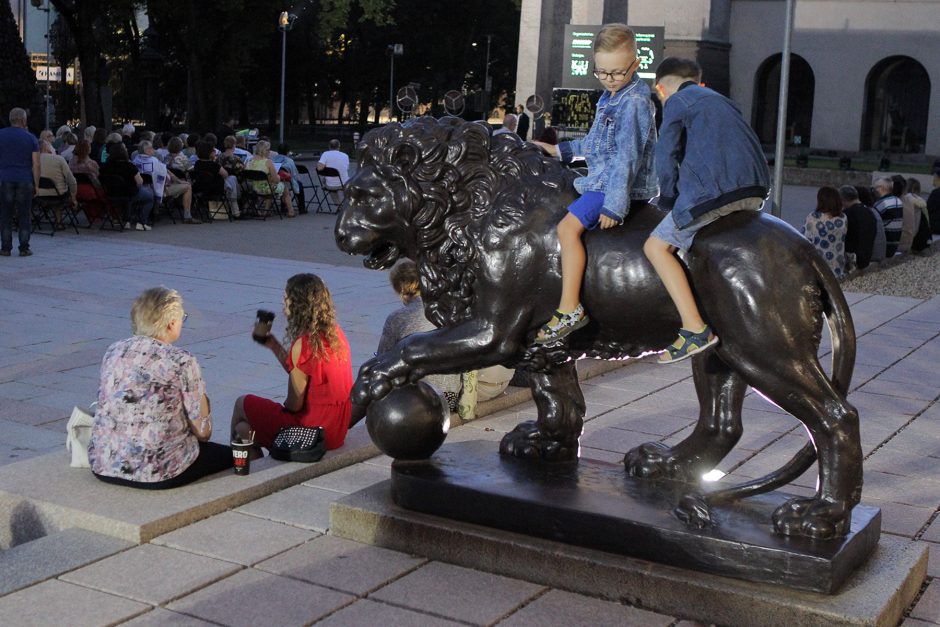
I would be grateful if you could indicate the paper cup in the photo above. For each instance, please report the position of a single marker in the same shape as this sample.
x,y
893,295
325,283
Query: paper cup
x,y
241,457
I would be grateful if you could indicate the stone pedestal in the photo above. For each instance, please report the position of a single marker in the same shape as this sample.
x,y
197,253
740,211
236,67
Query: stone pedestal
x,y
594,528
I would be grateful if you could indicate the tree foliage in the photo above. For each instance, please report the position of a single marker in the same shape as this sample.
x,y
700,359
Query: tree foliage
x,y
200,63
17,81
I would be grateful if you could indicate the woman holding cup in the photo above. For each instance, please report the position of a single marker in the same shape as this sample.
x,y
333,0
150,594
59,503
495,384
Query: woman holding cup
x,y
318,366
153,424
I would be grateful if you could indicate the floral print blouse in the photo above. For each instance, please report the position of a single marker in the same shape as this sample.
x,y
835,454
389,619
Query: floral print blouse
x,y
141,431
828,236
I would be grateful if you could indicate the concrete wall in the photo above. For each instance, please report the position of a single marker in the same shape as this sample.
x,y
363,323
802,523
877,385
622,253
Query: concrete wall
x,y
841,40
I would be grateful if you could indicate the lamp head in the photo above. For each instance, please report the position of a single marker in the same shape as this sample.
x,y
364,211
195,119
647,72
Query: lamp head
x,y
36,3
284,22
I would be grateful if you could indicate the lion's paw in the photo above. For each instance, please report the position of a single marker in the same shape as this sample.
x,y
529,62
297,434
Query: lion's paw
x,y
693,510
813,518
525,441
655,460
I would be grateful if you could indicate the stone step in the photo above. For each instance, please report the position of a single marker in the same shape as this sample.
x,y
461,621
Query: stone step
x,y
52,555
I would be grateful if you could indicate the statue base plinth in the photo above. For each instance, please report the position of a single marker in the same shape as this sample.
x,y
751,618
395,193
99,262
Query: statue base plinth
x,y
595,505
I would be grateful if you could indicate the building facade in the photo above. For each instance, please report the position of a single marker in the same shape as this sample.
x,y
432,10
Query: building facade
x,y
860,71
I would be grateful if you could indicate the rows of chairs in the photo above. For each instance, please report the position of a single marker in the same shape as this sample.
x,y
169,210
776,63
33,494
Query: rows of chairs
x,y
110,210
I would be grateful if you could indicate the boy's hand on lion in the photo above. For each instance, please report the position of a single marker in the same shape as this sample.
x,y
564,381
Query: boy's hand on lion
x,y
607,222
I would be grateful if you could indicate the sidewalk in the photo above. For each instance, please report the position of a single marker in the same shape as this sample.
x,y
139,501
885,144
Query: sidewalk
x,y
271,561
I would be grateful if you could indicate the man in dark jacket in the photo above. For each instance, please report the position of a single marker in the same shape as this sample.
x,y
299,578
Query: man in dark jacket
x,y
522,129
933,202
710,163
862,227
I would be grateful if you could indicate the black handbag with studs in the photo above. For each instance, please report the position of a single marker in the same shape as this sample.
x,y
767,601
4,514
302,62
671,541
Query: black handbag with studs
x,y
299,444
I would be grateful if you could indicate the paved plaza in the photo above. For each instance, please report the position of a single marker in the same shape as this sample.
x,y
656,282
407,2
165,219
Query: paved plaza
x,y
271,560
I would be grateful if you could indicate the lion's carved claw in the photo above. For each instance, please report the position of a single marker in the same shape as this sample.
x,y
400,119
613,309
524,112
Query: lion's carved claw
x,y
655,460
527,442
813,518
693,510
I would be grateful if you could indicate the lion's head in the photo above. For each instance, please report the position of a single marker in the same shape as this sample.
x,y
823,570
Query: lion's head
x,y
423,189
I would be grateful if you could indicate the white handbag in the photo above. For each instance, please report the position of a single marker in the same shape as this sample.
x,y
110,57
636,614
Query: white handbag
x,y
78,436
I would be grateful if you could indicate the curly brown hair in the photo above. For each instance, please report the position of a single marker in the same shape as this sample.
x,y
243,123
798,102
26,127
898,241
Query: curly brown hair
x,y
311,311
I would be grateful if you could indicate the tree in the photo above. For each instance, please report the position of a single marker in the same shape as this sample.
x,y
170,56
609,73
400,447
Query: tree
x,y
17,80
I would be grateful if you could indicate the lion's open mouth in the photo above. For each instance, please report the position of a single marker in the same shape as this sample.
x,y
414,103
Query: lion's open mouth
x,y
382,256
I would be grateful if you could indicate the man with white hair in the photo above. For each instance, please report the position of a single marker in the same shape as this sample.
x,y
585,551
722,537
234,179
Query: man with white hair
x,y
509,124
127,136
19,180
164,182
891,210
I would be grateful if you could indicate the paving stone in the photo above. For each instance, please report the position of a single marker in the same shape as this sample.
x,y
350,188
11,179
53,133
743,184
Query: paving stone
x,y
928,607
235,537
52,555
482,598
252,597
151,574
300,506
350,479
159,617
56,602
368,612
900,519
557,607
342,564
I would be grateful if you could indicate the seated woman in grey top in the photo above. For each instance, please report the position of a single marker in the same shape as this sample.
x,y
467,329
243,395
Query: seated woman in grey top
x,y
410,319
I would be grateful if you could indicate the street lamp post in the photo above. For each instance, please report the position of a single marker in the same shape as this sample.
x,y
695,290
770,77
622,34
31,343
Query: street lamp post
x,y
285,23
486,78
48,98
784,92
394,50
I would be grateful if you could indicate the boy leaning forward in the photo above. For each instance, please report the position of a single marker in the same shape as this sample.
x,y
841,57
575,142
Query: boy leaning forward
x,y
710,163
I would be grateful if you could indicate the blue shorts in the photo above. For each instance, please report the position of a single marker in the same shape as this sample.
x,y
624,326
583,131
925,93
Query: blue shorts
x,y
587,209
669,232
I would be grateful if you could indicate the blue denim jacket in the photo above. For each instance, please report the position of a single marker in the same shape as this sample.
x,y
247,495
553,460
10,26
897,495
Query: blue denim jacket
x,y
619,149
707,155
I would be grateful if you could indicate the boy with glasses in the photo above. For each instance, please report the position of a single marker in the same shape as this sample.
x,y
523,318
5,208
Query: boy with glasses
x,y
710,163
619,154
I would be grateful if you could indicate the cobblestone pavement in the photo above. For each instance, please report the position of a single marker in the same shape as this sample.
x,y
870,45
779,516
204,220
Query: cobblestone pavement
x,y
271,561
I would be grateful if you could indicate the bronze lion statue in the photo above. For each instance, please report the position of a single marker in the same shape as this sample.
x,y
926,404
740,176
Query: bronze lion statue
x,y
478,212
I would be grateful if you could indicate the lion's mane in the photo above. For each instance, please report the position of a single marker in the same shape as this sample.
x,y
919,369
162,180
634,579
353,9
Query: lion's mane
x,y
455,173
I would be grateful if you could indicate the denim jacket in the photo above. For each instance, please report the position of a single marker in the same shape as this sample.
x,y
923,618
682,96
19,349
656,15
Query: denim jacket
x,y
618,149
707,155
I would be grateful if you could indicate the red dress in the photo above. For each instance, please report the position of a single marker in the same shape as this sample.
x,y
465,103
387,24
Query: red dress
x,y
326,402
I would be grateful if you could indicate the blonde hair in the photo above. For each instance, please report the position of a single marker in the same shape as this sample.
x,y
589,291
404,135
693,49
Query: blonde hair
x,y
153,311
613,37
262,148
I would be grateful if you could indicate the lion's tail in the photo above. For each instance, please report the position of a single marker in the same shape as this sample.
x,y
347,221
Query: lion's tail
x,y
842,330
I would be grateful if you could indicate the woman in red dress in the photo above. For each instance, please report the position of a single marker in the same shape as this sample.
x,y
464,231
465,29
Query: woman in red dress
x,y
318,366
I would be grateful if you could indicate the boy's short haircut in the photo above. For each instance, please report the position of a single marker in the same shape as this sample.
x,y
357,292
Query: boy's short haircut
x,y
613,37
683,68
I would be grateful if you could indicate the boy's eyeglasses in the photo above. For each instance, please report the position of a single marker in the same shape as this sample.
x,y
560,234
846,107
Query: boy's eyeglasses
x,y
616,75
183,321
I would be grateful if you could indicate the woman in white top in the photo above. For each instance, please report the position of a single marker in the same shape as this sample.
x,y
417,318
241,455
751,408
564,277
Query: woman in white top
x,y
56,169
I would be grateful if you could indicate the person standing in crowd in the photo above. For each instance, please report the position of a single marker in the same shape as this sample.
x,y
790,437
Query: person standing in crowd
x,y
861,228
891,210
522,128
19,180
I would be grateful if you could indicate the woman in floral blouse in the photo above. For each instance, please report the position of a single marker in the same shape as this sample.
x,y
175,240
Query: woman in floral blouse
x,y
826,229
152,425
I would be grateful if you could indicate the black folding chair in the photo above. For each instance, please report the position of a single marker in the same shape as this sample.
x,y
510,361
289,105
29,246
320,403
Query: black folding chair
x,y
315,190
116,205
210,187
256,200
334,195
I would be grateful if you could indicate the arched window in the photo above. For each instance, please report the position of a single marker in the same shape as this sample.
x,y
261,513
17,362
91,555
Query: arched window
x,y
799,100
897,99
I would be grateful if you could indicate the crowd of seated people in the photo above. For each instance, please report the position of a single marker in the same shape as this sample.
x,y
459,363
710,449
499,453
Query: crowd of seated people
x,y
167,165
